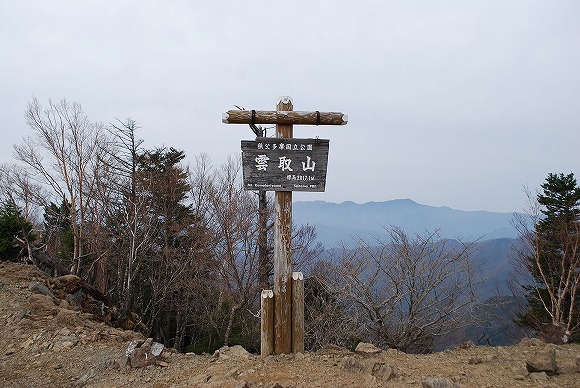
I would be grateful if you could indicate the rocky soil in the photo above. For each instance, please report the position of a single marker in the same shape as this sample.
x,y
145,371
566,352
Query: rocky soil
x,y
46,341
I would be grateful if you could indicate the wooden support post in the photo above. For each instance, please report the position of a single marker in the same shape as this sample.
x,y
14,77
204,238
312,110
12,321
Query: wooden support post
x,y
267,323
283,253
297,312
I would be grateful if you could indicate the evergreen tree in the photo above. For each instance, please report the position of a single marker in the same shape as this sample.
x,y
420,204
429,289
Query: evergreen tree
x,y
554,262
175,271
58,235
12,224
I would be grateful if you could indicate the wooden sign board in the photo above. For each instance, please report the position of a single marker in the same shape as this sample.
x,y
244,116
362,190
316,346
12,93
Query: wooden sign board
x,y
280,164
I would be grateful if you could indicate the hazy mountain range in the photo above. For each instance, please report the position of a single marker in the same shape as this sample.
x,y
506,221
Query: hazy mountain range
x,y
336,223
347,221
492,254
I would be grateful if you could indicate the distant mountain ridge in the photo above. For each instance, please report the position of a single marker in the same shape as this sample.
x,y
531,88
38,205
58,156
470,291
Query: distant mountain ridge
x,y
341,223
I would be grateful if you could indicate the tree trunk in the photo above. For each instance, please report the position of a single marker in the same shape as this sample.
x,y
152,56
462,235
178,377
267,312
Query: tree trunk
x,y
228,331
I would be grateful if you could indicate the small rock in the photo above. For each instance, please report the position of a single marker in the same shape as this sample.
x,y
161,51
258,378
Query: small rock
x,y
242,384
41,288
163,364
157,349
140,358
112,364
144,353
367,349
75,301
520,369
132,346
66,342
349,363
84,378
544,361
381,371
227,352
371,367
438,382
538,376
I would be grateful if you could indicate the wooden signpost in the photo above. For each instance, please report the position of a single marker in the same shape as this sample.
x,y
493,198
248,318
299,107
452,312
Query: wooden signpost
x,y
283,165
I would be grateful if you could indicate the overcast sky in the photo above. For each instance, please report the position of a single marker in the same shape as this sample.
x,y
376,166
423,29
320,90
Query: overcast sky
x,y
450,103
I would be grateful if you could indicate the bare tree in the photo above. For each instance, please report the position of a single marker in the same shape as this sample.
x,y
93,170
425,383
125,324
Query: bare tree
x,y
130,222
59,155
17,186
326,319
306,249
231,214
409,292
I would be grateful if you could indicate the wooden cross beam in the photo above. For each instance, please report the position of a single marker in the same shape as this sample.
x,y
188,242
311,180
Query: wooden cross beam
x,y
284,117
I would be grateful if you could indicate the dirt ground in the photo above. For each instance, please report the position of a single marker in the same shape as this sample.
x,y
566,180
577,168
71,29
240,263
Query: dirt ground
x,y
43,344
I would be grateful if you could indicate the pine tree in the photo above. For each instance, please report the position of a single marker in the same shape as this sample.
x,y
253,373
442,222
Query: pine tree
x,y
58,234
555,261
12,224
175,271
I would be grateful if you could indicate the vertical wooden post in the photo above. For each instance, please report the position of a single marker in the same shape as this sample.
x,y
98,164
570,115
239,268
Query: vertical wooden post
x,y
283,253
297,312
267,323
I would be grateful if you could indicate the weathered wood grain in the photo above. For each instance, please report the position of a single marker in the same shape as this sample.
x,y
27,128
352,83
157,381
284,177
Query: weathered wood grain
x,y
283,255
284,117
297,312
267,323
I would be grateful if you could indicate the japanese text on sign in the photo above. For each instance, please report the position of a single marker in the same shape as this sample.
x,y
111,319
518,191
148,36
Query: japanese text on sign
x,y
285,164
